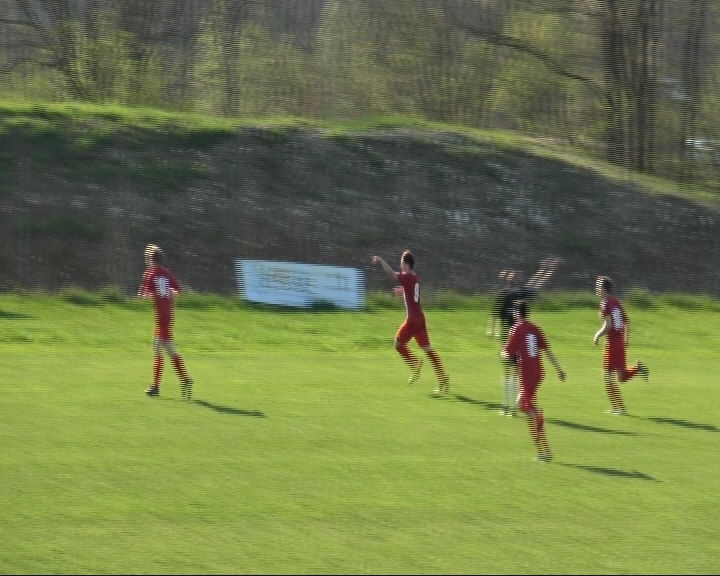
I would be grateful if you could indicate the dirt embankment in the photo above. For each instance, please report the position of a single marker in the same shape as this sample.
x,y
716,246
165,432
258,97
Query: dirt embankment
x,y
466,209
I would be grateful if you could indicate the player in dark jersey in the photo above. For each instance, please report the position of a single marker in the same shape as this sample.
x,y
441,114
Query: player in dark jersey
x,y
414,325
502,319
616,329
159,284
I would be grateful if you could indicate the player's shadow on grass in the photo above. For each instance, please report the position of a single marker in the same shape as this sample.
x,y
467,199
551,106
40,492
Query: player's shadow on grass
x,y
684,424
486,405
588,428
229,409
610,471
13,315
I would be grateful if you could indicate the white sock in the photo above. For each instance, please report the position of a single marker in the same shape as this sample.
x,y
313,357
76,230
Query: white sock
x,y
513,392
507,392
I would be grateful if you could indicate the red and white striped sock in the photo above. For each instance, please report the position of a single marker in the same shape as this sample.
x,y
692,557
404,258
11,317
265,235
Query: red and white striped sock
x,y
157,370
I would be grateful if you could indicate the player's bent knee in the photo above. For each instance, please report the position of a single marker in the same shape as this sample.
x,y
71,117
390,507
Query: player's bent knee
x,y
529,412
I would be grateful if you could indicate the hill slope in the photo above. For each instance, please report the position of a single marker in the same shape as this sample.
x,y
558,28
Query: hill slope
x,y
83,190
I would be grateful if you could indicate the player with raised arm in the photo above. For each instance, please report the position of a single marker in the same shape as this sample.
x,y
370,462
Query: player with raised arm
x,y
526,342
616,328
414,325
159,284
502,319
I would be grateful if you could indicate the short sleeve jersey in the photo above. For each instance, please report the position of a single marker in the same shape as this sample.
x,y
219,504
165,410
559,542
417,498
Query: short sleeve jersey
x,y
506,299
411,294
611,307
525,342
159,282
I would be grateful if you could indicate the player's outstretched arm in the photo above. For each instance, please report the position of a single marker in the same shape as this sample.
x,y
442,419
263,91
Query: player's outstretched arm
x,y
555,363
540,278
385,266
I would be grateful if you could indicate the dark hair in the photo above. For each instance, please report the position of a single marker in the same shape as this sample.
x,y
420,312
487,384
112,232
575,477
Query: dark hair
x,y
408,258
521,307
606,283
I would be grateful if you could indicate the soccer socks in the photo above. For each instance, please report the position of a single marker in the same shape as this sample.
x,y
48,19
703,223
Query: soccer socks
x,y
506,392
179,367
409,358
414,363
613,392
437,366
628,373
536,427
509,392
157,370
533,429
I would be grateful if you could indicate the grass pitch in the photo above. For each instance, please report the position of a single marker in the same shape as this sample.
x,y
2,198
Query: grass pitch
x,y
305,451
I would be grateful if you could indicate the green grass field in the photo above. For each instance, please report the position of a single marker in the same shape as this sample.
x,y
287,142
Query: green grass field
x,y
305,451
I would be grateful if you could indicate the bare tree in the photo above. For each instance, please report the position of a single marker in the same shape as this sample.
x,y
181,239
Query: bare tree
x,y
694,47
228,18
628,33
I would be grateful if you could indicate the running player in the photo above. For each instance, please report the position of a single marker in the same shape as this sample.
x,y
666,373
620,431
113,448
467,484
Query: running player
x,y
525,342
414,325
616,329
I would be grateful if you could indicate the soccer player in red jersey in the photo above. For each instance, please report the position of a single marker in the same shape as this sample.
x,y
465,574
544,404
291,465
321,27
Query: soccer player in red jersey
x,y
616,328
501,320
414,325
159,284
525,342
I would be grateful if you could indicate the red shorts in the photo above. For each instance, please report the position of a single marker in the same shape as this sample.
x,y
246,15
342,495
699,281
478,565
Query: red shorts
x,y
526,397
614,355
163,331
413,329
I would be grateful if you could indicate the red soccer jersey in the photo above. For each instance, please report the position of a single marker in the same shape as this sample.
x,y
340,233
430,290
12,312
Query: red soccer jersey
x,y
618,319
159,282
411,294
525,342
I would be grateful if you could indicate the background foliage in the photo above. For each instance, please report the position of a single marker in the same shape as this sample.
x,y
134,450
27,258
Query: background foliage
x,y
632,81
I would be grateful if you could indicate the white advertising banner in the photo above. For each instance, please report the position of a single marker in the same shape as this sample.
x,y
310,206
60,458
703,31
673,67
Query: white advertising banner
x,y
299,285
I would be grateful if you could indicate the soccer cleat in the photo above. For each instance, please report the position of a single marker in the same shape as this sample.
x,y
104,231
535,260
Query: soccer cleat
x,y
544,457
416,372
616,411
153,391
642,370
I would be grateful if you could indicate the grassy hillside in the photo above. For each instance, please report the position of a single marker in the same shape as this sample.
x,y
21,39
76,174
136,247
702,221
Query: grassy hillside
x,y
83,189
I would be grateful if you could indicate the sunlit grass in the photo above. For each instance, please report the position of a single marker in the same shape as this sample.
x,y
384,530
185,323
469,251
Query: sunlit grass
x,y
305,451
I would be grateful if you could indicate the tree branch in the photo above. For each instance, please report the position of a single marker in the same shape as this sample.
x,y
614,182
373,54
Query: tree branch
x,y
507,41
